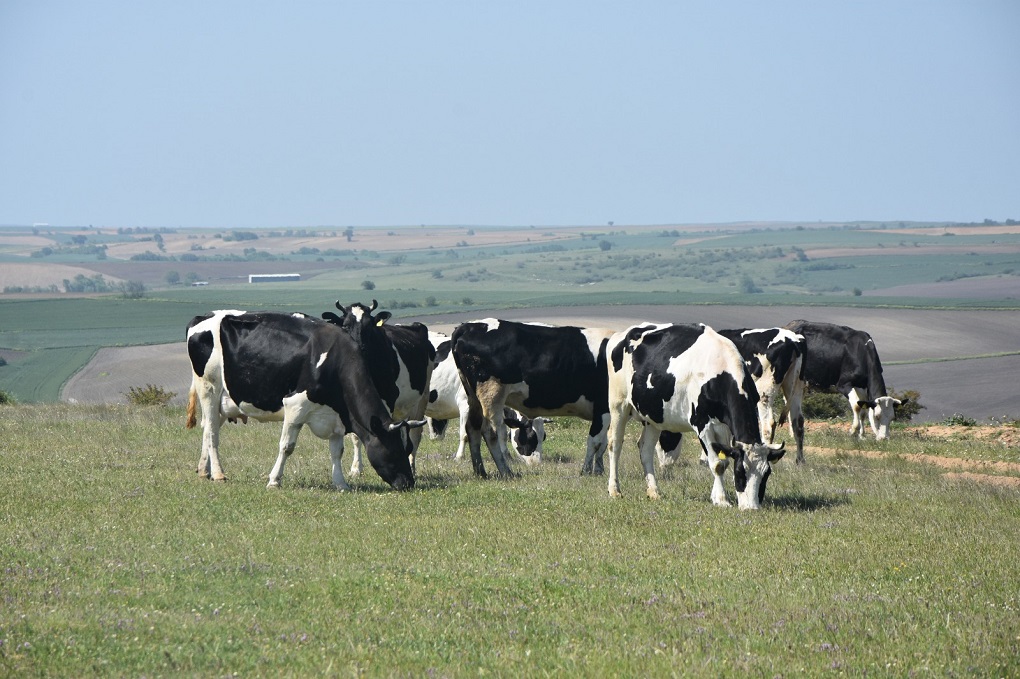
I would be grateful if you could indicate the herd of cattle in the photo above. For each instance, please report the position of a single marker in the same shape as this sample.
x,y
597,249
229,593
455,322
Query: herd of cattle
x,y
353,373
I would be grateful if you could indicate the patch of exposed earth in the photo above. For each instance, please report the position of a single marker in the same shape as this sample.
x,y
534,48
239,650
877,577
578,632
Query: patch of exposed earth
x,y
992,472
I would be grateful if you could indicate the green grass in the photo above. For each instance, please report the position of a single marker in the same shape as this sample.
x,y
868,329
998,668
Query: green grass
x,y
119,561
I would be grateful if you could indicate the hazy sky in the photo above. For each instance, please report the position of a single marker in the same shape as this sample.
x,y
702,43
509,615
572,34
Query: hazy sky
x,y
239,113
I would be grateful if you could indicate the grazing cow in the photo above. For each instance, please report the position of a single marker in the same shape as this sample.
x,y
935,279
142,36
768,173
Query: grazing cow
x,y
535,369
447,400
400,360
298,369
844,358
688,378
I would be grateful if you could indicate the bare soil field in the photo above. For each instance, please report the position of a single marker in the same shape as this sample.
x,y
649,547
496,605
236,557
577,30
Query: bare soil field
x,y
973,383
43,275
985,287
999,230
925,249
381,240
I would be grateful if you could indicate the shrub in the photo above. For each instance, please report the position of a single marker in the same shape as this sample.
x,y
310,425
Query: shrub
x,y
149,395
6,399
912,407
959,420
819,405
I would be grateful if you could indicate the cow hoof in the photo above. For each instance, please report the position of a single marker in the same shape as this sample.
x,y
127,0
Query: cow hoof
x,y
652,494
220,479
273,484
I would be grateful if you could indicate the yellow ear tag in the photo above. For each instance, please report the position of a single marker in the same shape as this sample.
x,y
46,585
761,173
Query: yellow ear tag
x,y
721,455
379,323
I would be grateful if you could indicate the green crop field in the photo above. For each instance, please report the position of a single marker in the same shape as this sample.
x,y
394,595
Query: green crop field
x,y
119,561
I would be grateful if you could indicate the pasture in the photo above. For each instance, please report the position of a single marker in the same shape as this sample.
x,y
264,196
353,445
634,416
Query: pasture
x,y
118,560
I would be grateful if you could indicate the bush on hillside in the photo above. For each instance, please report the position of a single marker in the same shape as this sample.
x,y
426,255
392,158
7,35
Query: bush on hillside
x,y
149,395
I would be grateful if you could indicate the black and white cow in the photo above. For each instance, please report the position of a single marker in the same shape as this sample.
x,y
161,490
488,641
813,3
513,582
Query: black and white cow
x,y
538,370
301,370
448,400
844,358
774,357
688,378
400,360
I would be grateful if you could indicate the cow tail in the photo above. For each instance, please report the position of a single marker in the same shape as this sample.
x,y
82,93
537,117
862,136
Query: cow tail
x,y
192,398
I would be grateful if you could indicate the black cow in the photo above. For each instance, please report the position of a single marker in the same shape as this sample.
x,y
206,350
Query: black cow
x,y
400,360
291,367
844,358
536,370
688,378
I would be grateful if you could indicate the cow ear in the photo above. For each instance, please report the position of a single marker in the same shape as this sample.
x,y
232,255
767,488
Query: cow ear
x,y
513,422
776,453
332,318
867,404
382,316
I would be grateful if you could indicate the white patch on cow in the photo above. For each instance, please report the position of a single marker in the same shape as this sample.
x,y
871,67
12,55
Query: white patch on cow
x,y
322,359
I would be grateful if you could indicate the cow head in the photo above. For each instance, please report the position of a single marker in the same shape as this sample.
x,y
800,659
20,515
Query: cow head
x,y
389,451
528,434
881,412
752,466
357,319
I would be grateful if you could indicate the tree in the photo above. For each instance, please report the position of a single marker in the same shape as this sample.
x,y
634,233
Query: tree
x,y
367,285
133,290
172,277
605,245
349,233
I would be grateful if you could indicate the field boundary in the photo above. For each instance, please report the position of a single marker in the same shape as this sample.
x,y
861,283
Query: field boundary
x,y
958,468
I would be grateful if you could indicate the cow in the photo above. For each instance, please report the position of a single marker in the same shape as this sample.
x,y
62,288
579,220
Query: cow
x,y
301,370
846,359
400,361
774,357
447,400
688,378
538,370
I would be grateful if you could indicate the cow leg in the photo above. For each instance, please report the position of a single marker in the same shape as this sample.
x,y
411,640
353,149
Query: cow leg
x,y
462,438
595,450
617,429
336,451
766,416
356,447
462,428
857,427
718,468
491,396
646,444
495,438
212,420
793,392
288,439
473,430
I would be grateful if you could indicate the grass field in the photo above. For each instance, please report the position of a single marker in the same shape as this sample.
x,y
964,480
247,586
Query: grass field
x,y
119,561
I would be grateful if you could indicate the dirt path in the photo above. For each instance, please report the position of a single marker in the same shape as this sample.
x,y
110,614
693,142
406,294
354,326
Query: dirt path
x,y
1005,474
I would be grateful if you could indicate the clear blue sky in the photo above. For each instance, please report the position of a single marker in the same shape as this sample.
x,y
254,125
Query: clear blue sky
x,y
239,113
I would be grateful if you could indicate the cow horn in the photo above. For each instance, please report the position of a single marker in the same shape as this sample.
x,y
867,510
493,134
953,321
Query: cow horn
x,y
340,307
375,303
